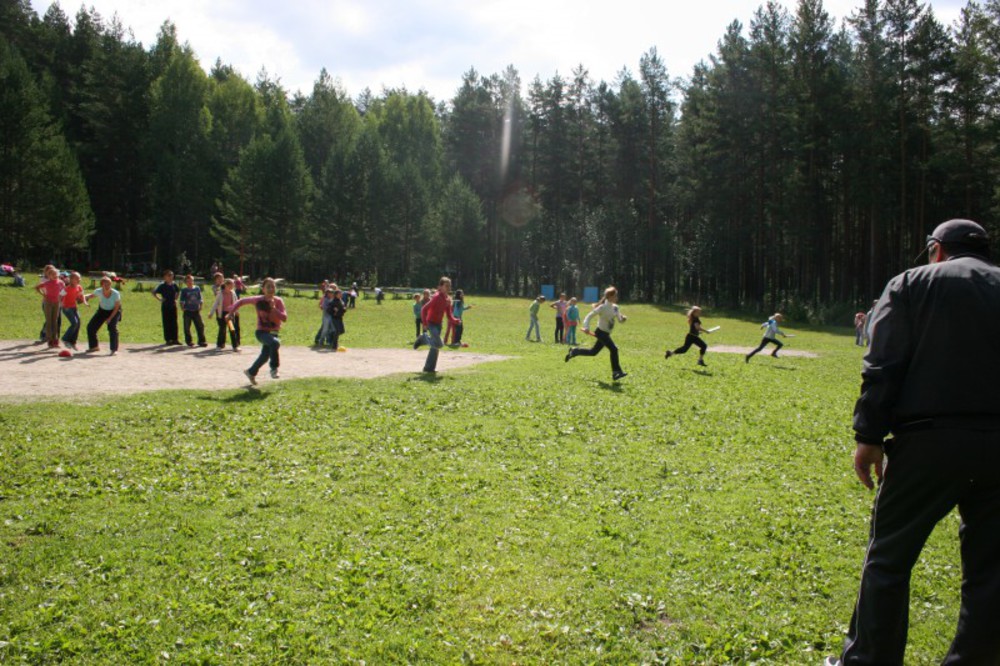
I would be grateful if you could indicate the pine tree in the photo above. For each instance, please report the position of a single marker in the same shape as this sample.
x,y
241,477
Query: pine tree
x,y
44,208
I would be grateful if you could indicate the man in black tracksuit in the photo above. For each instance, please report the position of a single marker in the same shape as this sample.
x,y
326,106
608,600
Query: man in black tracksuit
x,y
929,379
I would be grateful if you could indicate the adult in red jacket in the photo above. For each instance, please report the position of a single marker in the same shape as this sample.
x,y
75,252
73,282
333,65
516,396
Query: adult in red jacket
x,y
432,314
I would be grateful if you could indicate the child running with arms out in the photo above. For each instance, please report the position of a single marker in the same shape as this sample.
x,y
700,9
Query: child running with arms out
x,y
270,316
695,329
432,314
770,336
606,312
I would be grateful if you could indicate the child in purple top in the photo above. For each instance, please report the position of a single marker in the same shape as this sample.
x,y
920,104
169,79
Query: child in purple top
x,y
270,315
191,303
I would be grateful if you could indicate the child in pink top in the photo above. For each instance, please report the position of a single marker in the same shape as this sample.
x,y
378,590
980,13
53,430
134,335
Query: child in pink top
x,y
51,290
270,315
224,301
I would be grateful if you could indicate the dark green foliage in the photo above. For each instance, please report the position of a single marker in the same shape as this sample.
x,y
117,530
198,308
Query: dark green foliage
x,y
799,166
44,209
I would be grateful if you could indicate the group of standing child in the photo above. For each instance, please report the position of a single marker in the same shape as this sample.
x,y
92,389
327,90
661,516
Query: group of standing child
x,y
60,298
567,319
224,291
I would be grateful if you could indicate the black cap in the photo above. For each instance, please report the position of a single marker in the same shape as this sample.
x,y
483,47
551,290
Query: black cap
x,y
959,232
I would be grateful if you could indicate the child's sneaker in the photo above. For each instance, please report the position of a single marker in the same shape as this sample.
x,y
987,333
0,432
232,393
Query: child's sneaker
x,y
702,363
274,373
253,380
668,354
619,375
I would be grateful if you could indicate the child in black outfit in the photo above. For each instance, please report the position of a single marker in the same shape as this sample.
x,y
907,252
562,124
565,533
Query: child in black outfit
x,y
335,308
692,338
166,293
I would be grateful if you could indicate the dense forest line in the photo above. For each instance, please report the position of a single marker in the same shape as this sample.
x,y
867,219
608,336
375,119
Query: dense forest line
x,y
800,165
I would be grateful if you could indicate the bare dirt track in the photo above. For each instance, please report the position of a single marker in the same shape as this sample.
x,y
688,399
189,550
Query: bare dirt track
x,y
33,371
785,351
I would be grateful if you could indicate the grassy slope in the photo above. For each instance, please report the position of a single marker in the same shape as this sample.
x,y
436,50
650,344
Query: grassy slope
x,y
529,511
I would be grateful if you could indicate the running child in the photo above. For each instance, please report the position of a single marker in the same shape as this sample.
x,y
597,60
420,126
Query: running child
x,y
224,301
51,289
432,314
108,312
572,321
533,324
560,308
770,335
191,303
270,315
72,297
606,312
695,330
166,293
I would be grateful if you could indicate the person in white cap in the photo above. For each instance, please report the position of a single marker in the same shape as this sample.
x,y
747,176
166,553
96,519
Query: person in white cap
x,y
930,429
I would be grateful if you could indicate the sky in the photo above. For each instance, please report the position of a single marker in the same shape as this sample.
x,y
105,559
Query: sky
x,y
430,44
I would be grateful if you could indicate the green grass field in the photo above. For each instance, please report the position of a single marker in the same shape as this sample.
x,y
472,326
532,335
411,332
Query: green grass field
x,y
528,511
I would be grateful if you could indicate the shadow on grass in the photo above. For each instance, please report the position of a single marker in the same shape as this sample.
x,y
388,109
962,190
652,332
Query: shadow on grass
x,y
427,377
701,371
251,394
614,387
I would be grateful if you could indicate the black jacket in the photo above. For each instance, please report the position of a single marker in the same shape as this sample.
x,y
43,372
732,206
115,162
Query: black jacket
x,y
935,352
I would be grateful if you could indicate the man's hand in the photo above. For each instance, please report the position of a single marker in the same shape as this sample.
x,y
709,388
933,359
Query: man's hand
x,y
865,456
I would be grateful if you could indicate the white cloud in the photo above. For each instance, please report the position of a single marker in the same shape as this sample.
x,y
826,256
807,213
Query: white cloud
x,y
430,43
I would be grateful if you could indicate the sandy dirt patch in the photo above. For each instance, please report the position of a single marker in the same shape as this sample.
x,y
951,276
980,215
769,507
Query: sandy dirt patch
x,y
785,351
33,370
